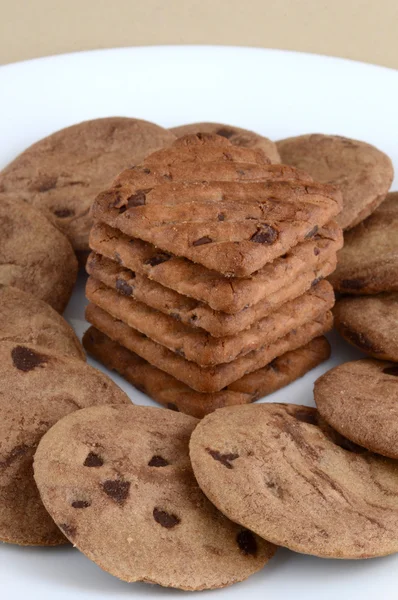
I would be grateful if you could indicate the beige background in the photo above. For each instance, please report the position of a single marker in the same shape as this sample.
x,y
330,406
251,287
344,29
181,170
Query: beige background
x,y
365,30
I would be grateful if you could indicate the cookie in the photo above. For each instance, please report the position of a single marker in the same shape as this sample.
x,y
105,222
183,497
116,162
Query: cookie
x,y
37,389
303,264
34,256
368,262
194,314
175,395
363,173
359,399
271,468
197,345
138,511
27,320
61,174
229,216
236,135
203,379
370,323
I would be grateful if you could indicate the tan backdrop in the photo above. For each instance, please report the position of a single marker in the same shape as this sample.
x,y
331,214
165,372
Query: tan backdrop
x,y
360,29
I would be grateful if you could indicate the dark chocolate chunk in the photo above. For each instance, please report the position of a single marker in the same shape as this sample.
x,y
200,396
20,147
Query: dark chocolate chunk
x,y
316,281
158,259
317,251
116,489
221,217
123,287
175,316
180,352
137,199
165,519
201,241
93,460
265,235
81,504
247,542
158,461
312,232
25,359
225,132
224,459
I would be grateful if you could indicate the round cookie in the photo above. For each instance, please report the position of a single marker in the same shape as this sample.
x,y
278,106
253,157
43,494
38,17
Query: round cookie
x,y
62,173
37,389
360,400
138,511
363,173
367,264
34,255
272,468
27,320
370,323
236,135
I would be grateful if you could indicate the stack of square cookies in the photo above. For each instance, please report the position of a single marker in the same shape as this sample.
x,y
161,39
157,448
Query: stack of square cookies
x,y
206,282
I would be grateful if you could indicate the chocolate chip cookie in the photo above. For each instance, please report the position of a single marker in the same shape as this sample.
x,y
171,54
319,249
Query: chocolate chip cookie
x,y
363,173
34,255
230,217
236,135
273,469
37,389
118,482
61,174
27,320
360,400
368,262
370,323
175,395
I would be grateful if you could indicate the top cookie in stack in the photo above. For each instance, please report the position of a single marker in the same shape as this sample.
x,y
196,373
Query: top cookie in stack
x,y
216,256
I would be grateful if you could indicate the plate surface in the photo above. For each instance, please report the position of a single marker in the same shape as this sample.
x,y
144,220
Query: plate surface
x,y
273,92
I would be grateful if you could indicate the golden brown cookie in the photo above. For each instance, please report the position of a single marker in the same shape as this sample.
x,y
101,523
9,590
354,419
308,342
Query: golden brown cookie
x,y
370,323
360,400
368,263
27,320
136,510
272,468
363,173
37,389
175,395
61,174
236,135
34,255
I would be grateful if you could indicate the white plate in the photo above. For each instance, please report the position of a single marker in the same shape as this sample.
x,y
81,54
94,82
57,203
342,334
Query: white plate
x,y
273,92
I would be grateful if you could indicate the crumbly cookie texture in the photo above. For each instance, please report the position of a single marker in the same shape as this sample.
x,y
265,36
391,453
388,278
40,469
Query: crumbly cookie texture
x,y
276,470
232,217
363,173
61,174
360,399
34,255
117,479
370,323
175,395
367,264
37,389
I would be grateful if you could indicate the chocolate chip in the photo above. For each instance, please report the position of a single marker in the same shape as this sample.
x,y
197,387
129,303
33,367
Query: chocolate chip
x,y
116,489
172,406
158,259
175,316
274,365
193,318
201,241
15,453
64,213
221,217
118,258
180,352
391,370
316,281
137,199
352,284
224,459
158,461
165,519
93,460
226,133
25,359
312,232
306,416
122,209
360,340
240,171
81,504
69,530
247,542
265,235
123,287
317,251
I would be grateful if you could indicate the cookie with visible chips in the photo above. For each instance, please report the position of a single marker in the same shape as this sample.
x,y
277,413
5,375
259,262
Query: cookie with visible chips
x,y
136,510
